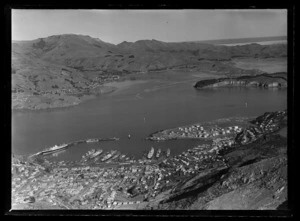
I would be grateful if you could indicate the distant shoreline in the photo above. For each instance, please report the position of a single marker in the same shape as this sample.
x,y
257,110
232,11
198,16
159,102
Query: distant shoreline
x,y
57,102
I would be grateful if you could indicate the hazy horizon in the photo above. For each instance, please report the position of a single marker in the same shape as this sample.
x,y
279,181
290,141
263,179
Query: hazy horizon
x,y
150,39
116,26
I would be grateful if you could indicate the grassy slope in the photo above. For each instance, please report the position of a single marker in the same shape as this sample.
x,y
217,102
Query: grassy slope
x,y
72,62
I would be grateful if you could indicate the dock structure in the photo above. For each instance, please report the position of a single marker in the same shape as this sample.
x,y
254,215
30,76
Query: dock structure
x,y
59,148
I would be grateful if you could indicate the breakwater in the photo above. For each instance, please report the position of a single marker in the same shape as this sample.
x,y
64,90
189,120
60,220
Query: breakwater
x,y
62,147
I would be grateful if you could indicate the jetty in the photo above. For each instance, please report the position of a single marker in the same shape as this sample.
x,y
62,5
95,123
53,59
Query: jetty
x,y
150,154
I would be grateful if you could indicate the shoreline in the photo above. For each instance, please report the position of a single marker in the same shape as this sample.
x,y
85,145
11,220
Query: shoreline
x,y
81,101
169,133
115,86
46,102
274,80
105,89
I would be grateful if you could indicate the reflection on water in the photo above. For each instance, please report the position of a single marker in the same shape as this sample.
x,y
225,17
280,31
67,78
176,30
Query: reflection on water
x,y
133,111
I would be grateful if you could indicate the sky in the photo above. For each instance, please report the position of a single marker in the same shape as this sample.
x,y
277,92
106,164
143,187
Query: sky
x,y
116,26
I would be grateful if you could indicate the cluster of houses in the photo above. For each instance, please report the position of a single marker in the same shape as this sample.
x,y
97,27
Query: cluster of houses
x,y
148,179
139,180
83,183
267,123
195,131
221,144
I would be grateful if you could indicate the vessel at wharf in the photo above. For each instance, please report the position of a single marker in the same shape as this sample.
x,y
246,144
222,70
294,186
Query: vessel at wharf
x,y
158,153
108,155
168,152
115,158
122,156
58,148
98,157
151,152
96,153
116,155
54,149
92,154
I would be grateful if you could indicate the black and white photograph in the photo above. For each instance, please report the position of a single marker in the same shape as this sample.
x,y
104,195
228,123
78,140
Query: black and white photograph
x,y
147,109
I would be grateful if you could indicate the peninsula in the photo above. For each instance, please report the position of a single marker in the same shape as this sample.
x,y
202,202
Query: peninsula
x,y
275,80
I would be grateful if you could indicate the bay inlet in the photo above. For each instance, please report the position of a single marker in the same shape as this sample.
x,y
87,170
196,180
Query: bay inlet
x,y
138,109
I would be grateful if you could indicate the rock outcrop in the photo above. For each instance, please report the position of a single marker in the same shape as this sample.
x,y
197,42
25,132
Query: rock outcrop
x,y
276,80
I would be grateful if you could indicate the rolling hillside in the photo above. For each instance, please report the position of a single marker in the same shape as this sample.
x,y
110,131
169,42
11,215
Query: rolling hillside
x,y
84,52
73,64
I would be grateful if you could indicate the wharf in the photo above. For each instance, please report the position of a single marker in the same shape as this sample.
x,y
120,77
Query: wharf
x,y
68,145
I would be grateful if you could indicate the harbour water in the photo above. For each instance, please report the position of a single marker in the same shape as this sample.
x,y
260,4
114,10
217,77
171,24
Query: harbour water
x,y
138,110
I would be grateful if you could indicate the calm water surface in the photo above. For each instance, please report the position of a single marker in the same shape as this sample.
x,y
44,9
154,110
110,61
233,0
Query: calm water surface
x,y
138,110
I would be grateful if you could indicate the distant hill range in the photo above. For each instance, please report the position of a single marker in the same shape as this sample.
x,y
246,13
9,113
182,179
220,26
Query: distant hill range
x,y
244,40
87,53
65,61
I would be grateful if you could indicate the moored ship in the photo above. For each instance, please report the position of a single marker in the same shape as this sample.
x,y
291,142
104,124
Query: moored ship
x,y
97,153
116,155
54,149
122,156
151,152
168,152
158,153
108,155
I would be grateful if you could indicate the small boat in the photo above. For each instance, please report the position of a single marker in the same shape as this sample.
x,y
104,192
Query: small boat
x,y
158,153
116,156
150,154
108,155
122,157
97,153
168,152
129,136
